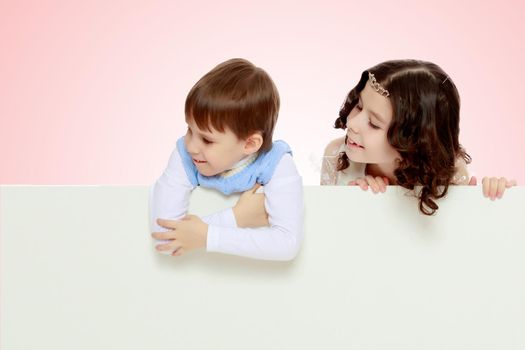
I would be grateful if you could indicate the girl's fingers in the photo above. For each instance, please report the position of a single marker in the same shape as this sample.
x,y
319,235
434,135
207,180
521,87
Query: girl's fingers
x,y
511,183
493,188
362,183
485,186
387,181
381,183
373,183
502,183
473,181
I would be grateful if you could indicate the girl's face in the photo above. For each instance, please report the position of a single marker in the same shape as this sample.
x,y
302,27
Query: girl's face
x,y
367,126
213,152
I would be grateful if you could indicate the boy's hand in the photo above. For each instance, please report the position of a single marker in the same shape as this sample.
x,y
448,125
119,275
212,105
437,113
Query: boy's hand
x,y
186,234
378,183
493,187
249,210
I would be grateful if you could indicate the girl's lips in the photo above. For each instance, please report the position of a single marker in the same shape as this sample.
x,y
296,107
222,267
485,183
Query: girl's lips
x,y
352,144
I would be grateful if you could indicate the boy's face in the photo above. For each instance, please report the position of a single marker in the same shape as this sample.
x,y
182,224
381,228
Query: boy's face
x,y
213,152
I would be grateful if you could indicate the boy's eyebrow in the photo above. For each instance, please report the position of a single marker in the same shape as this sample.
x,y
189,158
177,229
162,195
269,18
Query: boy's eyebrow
x,y
208,136
203,134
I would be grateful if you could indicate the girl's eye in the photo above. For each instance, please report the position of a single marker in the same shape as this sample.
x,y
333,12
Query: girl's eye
x,y
373,126
359,107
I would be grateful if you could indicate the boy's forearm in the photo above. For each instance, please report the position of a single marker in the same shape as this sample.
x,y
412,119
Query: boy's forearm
x,y
224,217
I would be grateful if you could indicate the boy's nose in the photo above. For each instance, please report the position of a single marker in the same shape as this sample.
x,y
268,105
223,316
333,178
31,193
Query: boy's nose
x,y
191,146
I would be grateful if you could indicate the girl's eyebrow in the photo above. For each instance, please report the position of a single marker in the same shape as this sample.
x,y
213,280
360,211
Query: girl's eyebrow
x,y
374,114
377,116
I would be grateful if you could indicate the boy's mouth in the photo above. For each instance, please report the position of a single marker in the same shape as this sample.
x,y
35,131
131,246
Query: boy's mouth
x,y
198,161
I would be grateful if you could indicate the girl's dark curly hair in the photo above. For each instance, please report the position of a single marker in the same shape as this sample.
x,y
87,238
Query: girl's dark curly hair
x,y
424,128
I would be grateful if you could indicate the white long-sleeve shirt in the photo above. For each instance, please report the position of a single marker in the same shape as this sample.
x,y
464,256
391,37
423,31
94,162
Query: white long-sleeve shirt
x,y
283,201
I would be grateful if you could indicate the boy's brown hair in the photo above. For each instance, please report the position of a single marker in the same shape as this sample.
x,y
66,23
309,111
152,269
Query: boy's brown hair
x,y
236,95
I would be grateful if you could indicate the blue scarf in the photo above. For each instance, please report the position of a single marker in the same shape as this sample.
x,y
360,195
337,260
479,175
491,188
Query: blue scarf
x,y
259,171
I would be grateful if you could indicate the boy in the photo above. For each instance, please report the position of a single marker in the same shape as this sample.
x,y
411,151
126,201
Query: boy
x,y
231,113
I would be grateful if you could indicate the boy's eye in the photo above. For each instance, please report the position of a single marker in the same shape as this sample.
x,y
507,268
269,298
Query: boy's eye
x,y
206,141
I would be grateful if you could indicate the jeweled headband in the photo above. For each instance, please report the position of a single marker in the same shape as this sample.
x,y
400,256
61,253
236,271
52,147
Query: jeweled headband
x,y
376,86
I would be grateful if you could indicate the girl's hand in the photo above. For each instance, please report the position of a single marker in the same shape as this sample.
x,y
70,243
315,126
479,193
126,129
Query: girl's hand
x,y
186,234
493,187
249,210
378,183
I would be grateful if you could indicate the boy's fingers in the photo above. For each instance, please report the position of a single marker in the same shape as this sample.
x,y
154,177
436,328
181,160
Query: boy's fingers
x,y
178,252
256,187
166,223
259,196
164,235
251,190
168,246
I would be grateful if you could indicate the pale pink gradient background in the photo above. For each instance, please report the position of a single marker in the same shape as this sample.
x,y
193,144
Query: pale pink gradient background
x,y
93,92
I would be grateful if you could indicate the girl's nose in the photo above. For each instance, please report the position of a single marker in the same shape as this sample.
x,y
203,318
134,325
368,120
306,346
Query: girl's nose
x,y
353,123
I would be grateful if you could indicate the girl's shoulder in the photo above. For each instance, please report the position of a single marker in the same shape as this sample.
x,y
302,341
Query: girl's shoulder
x,y
332,149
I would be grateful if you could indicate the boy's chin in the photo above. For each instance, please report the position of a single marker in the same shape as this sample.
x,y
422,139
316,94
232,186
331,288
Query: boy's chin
x,y
207,172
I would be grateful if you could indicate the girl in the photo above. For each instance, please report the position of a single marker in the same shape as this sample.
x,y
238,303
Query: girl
x,y
402,122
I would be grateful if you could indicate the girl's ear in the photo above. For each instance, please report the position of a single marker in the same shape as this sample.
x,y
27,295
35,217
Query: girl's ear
x,y
253,143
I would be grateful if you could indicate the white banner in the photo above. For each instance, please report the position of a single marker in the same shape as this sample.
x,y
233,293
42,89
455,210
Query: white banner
x,y
78,271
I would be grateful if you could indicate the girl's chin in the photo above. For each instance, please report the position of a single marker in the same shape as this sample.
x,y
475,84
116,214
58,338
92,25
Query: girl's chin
x,y
355,158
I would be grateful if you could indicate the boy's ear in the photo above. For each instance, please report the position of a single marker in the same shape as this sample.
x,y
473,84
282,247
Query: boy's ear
x,y
253,143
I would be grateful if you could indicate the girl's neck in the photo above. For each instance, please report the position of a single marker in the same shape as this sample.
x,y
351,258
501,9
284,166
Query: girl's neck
x,y
384,170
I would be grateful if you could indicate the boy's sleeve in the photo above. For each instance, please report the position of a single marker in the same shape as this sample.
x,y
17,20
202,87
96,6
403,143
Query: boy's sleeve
x,y
283,238
169,197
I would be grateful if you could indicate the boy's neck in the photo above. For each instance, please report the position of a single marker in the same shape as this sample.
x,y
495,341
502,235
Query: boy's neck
x,y
240,165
